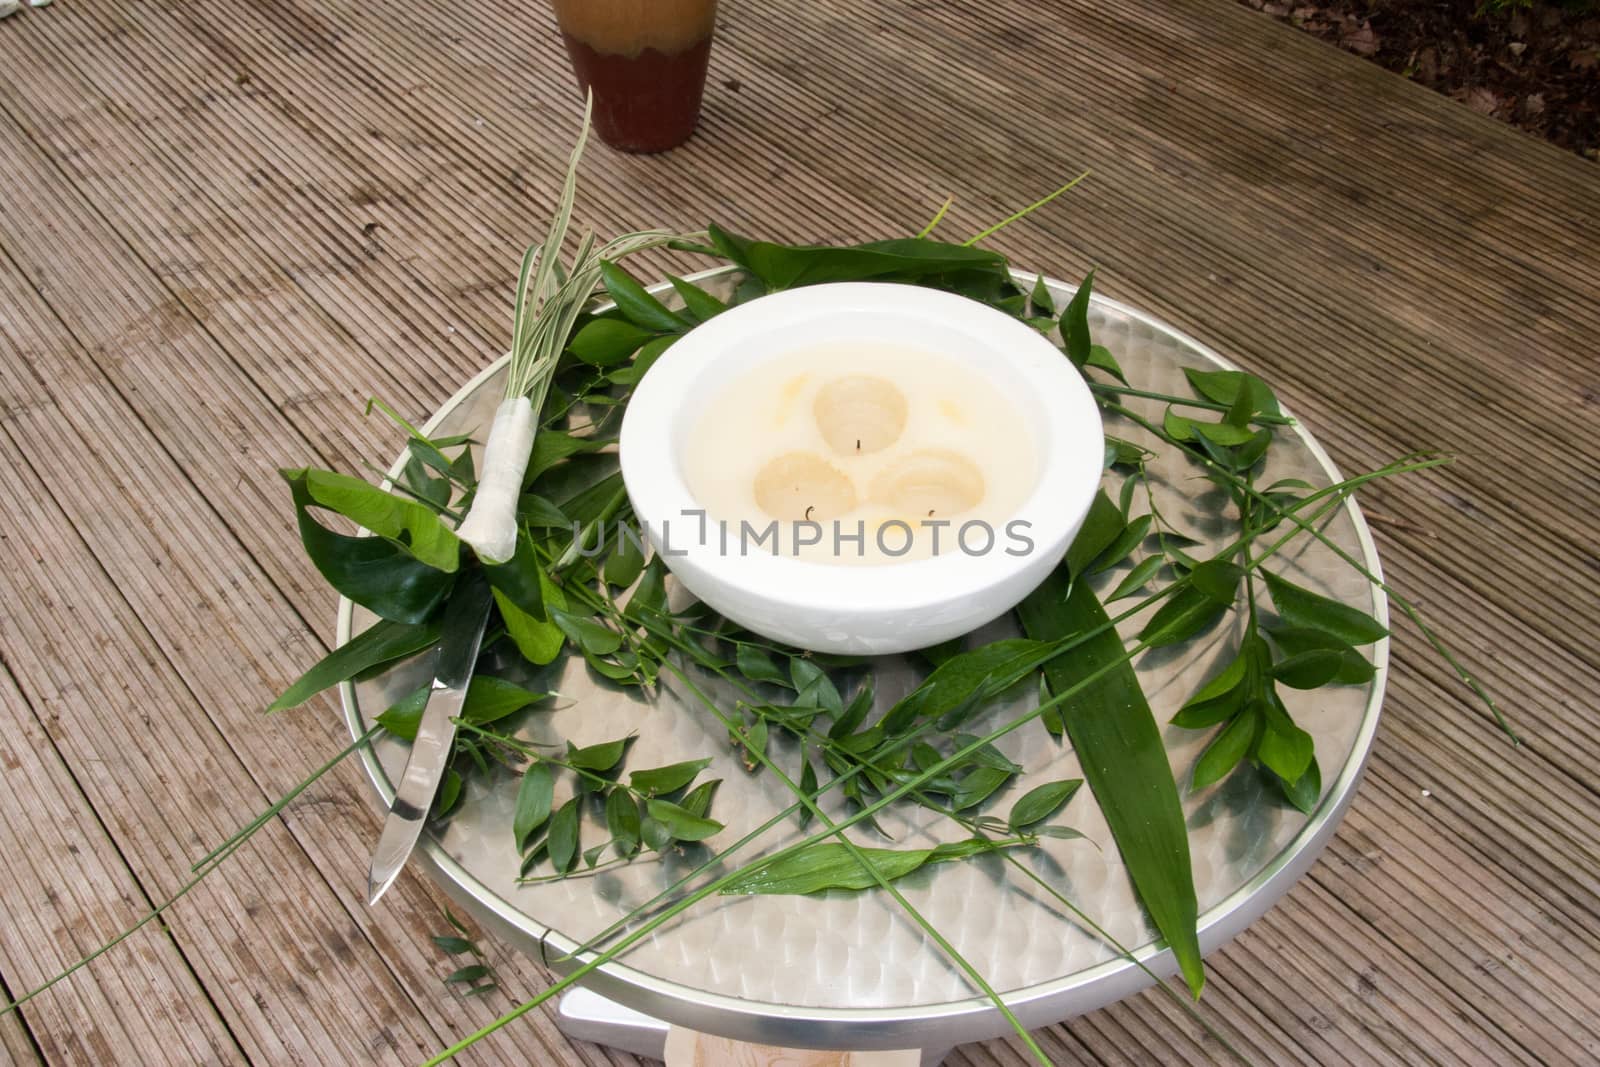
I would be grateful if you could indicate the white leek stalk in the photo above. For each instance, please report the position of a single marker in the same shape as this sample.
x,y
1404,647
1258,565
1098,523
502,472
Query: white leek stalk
x,y
491,523
549,301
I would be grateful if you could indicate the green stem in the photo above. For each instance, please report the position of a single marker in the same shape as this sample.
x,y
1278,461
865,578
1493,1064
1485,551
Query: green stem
x,y
618,862
973,974
1260,418
1024,213
863,813
1402,466
867,811
937,218
529,752
205,866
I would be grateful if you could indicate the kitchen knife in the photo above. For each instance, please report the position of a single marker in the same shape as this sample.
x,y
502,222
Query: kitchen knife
x,y
465,617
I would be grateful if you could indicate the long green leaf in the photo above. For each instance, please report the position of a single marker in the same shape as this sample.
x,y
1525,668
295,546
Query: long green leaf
x,y
903,259
1041,802
488,700
534,797
1303,608
682,823
1124,760
1100,529
833,865
960,679
383,642
636,304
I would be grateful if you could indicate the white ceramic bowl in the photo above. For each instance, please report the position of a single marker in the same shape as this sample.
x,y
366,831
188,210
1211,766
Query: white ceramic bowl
x,y
871,609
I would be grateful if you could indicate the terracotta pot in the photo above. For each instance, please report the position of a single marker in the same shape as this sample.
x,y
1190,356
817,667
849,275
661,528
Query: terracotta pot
x,y
645,61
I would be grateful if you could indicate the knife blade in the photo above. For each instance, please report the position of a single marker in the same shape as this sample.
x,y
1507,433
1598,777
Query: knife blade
x,y
465,617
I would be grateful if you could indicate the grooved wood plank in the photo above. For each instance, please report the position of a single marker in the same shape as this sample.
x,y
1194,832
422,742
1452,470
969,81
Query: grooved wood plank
x,y
1406,273
165,581
15,1043
202,374
138,737
66,892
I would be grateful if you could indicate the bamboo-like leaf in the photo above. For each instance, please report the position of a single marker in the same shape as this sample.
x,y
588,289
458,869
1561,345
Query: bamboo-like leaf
x,y
1218,579
1039,300
1283,748
977,785
383,642
592,637
1118,550
1075,323
680,822
1228,747
534,798
520,579
1229,679
808,786
631,374
534,510
853,716
700,304
539,640
625,563
660,780
832,865
622,821
963,679
1042,802
636,304
655,835
1303,608
489,699
1222,433
1123,758
1353,667
563,840
757,666
598,758
1207,713
1311,669
608,342
1101,528
1100,356
1306,791
551,448
697,801
1225,386
813,687
1185,614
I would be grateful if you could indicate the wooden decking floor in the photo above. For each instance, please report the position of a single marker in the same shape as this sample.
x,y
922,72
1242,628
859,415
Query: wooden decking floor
x,y
224,225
